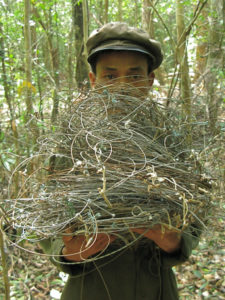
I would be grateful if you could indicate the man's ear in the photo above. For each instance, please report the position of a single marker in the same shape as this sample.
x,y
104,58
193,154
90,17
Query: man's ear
x,y
92,78
151,77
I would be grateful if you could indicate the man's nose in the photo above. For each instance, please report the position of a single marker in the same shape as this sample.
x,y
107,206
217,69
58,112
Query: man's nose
x,y
122,79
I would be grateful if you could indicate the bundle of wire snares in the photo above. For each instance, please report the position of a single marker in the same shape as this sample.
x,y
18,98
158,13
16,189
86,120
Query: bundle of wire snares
x,y
112,163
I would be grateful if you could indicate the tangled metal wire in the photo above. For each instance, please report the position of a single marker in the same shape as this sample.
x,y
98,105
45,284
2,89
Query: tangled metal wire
x,y
112,163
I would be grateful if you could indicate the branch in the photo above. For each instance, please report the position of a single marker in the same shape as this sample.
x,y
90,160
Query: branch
x,y
189,27
167,30
196,14
95,18
37,15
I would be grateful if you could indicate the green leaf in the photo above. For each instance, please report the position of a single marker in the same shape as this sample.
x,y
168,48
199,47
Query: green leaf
x,y
57,281
197,273
203,285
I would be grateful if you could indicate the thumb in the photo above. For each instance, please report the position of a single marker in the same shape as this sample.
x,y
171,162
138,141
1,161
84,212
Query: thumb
x,y
68,235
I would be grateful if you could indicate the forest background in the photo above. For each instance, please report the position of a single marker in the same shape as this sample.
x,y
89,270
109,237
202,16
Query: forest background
x,y
43,69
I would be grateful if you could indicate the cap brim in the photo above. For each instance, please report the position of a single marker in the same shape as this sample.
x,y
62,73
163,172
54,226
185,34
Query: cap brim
x,y
119,46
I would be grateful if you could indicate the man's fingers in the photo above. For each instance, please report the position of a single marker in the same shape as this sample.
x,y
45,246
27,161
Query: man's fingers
x,y
101,242
140,230
101,239
80,247
68,235
98,239
158,228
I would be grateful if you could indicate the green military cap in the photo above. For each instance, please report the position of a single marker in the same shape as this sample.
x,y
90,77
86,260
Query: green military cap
x,y
120,36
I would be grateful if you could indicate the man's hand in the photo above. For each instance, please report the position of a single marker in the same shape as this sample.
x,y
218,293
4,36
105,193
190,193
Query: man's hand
x,y
167,239
78,248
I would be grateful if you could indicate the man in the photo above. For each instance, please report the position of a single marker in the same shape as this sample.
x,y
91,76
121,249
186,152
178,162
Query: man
x,y
120,57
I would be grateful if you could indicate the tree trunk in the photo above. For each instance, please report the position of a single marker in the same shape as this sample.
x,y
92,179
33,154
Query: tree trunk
x,y
106,11
28,58
4,263
85,29
70,63
214,62
8,98
202,45
120,10
4,75
146,16
37,71
81,62
148,25
33,129
54,56
54,51
184,69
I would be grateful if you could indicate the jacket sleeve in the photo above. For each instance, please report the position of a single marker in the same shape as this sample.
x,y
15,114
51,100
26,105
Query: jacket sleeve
x,y
189,241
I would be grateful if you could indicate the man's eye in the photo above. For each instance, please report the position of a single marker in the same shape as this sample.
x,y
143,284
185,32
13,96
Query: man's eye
x,y
136,77
109,76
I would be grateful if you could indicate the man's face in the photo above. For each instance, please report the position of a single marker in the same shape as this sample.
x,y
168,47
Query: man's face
x,y
122,71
